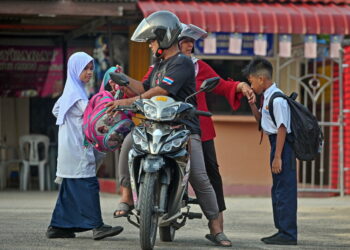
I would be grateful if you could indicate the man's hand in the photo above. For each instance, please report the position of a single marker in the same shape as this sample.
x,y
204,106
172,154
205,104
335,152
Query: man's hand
x,y
247,92
276,165
127,91
112,105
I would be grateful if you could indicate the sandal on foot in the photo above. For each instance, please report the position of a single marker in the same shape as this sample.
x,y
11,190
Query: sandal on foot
x,y
219,239
123,207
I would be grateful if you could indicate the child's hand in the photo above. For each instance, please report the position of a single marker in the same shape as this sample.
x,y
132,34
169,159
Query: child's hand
x,y
251,98
248,92
119,69
276,165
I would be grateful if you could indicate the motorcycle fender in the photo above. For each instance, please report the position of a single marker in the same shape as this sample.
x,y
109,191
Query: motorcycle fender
x,y
152,163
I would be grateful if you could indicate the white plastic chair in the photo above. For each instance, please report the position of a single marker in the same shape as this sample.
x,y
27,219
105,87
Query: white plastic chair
x,y
29,150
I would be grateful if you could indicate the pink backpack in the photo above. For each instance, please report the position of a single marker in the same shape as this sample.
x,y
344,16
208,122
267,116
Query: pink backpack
x,y
104,132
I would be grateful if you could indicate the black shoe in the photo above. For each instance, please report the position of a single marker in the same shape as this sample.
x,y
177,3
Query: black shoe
x,y
279,240
264,238
105,231
53,233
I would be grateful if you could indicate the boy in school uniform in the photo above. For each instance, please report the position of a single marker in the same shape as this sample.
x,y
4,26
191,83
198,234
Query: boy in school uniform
x,y
282,157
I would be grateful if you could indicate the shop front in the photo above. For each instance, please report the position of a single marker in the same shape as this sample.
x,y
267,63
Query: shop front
x,y
36,40
302,40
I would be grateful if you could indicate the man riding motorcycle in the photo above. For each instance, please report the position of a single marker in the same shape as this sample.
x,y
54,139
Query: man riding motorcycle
x,y
173,75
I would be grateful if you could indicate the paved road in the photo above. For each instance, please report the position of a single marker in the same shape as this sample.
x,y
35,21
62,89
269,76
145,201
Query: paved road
x,y
324,223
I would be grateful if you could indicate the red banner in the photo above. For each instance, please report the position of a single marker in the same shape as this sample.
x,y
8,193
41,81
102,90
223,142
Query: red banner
x,y
30,71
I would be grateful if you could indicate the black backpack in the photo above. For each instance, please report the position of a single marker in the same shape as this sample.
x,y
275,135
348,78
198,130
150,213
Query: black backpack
x,y
307,134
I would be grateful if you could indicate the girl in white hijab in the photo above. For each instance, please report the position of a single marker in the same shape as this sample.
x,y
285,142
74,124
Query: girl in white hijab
x,y
78,204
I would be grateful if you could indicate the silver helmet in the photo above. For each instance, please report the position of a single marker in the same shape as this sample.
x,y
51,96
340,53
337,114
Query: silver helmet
x,y
163,26
192,31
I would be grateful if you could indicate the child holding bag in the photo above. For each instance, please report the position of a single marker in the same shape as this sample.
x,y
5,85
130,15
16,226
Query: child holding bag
x,y
78,203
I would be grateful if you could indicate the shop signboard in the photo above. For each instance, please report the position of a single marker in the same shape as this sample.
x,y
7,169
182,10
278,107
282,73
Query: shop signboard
x,y
30,70
223,41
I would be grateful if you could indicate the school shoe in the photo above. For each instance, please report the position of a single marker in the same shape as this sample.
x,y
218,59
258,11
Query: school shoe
x,y
279,240
105,231
54,232
268,237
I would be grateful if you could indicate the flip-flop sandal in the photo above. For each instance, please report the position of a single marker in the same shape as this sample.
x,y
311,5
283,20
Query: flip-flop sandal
x,y
218,239
123,207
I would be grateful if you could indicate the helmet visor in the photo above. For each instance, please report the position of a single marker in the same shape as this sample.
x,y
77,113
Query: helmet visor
x,y
192,31
143,32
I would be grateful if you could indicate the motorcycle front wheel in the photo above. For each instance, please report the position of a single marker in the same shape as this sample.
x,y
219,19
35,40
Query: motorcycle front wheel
x,y
148,216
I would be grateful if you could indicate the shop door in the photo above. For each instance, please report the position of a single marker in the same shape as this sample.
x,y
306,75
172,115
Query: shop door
x,y
318,83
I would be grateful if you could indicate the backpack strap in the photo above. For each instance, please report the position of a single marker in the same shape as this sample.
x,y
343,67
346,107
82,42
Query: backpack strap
x,y
279,94
274,95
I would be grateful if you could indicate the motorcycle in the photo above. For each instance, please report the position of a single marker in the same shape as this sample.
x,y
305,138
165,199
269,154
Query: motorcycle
x,y
159,164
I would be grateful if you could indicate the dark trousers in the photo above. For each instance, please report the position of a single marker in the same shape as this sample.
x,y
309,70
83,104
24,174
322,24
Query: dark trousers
x,y
284,191
213,172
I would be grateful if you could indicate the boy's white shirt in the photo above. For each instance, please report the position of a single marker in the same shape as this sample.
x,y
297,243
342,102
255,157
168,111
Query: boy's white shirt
x,y
281,111
74,160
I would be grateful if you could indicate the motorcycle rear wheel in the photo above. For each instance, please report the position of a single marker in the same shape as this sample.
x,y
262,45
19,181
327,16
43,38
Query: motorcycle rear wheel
x,y
148,216
167,233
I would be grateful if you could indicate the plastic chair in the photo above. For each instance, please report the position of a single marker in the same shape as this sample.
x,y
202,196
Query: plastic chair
x,y
32,156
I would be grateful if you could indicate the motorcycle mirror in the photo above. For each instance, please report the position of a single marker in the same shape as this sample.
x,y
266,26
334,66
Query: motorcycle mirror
x,y
119,78
209,84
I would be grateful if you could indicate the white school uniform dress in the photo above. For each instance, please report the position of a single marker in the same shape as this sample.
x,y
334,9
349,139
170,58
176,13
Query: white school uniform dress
x,y
281,111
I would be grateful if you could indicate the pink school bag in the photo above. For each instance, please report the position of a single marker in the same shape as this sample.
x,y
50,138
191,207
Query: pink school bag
x,y
104,132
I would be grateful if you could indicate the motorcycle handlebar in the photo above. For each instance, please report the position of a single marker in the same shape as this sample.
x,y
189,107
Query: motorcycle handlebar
x,y
202,113
125,108
133,109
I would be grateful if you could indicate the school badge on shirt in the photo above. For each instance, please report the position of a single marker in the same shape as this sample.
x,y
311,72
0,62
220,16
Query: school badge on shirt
x,y
167,80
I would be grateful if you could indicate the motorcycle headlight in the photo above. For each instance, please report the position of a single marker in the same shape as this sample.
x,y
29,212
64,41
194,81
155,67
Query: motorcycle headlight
x,y
140,142
173,145
150,111
167,147
177,143
169,112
